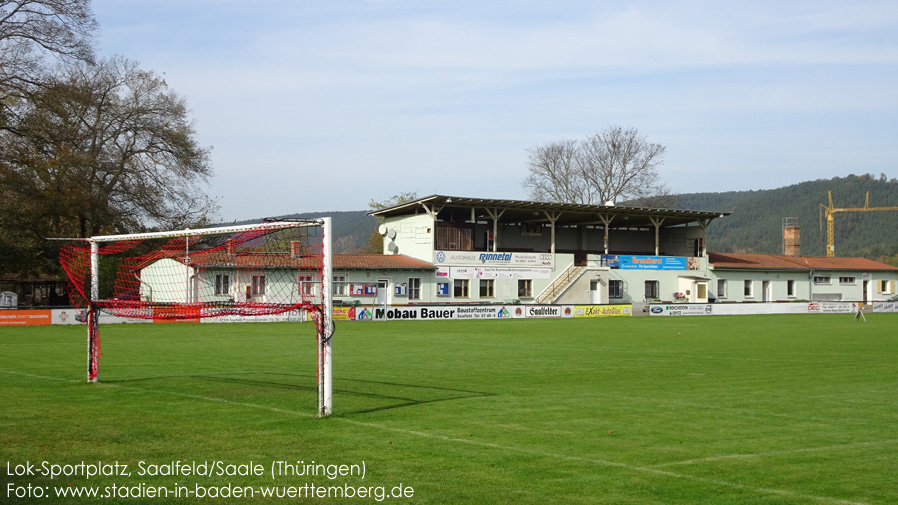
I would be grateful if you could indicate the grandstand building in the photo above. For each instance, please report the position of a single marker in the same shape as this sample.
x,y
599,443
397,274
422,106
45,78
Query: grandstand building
x,y
505,251
453,250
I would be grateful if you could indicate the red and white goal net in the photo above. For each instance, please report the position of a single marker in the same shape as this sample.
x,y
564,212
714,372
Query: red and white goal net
x,y
273,267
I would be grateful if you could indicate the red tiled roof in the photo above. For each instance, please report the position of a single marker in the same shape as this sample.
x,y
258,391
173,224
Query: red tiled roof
x,y
282,260
752,261
379,262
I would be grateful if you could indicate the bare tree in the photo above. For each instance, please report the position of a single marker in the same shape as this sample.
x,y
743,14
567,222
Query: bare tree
x,y
614,165
105,148
32,29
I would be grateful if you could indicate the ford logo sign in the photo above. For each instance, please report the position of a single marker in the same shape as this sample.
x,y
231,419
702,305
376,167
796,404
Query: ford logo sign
x,y
657,310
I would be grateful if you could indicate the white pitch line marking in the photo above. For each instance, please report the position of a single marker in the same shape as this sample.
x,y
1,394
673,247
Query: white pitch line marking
x,y
837,447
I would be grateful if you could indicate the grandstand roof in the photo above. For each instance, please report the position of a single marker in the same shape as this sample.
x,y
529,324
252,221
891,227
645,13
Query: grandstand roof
x,y
751,261
568,214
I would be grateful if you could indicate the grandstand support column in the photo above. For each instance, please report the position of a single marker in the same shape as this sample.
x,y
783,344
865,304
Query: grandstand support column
x,y
495,214
657,222
553,218
606,220
704,223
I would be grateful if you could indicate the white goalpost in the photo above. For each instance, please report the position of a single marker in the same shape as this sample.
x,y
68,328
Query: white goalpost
x,y
269,268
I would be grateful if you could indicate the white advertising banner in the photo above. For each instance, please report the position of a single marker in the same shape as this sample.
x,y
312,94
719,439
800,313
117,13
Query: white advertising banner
x,y
885,306
441,312
79,316
543,311
294,316
499,273
493,259
729,309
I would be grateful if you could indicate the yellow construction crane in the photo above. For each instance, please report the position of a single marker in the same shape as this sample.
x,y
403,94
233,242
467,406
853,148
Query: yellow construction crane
x,y
831,209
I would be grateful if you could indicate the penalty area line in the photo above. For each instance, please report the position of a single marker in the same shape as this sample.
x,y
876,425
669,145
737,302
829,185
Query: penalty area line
x,y
654,470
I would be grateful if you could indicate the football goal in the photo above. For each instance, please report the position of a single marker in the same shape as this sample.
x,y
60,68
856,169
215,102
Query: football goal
x,y
277,267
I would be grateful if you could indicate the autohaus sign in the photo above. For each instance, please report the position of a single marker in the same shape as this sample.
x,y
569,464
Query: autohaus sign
x,y
506,259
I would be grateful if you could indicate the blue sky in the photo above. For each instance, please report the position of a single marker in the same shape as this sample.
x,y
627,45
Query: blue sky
x,y
317,106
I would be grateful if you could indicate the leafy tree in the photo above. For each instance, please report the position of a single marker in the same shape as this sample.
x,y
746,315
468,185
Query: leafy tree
x,y
102,148
613,165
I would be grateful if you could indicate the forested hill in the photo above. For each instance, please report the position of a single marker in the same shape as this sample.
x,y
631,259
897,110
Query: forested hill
x,y
757,217
756,221
352,229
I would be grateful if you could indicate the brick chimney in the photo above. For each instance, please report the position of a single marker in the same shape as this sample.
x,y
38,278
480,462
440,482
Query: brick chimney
x,y
296,249
792,240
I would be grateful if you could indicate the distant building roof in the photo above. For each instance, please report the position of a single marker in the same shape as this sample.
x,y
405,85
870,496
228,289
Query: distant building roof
x,y
222,259
567,214
379,262
751,261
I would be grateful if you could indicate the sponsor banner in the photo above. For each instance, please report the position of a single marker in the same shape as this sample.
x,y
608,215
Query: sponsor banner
x,y
885,306
540,311
353,314
729,309
486,312
828,307
499,273
691,309
603,310
18,317
645,262
292,316
439,312
504,259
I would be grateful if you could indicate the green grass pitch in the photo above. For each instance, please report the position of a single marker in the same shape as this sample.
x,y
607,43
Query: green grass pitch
x,y
703,410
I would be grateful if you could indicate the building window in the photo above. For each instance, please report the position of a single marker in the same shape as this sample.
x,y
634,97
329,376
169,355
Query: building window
x,y
486,288
749,290
258,285
525,288
885,287
790,288
305,284
461,288
847,280
721,288
651,290
414,289
222,284
616,289
822,279
339,285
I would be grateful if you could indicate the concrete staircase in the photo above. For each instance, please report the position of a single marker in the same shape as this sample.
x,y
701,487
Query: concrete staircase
x,y
560,285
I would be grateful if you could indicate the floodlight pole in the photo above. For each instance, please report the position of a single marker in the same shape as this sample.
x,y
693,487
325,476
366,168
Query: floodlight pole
x,y
325,351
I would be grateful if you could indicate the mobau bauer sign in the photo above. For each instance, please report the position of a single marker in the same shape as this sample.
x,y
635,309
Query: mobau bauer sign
x,y
493,259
